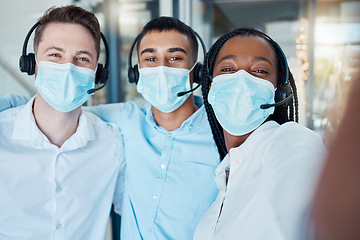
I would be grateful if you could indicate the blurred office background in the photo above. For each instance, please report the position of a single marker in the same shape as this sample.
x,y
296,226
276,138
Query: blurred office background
x,y
321,39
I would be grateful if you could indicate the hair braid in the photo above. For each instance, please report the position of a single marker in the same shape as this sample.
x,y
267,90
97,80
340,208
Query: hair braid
x,y
216,129
294,104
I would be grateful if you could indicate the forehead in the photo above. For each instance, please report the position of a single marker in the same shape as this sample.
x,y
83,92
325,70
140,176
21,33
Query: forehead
x,y
67,35
164,40
247,46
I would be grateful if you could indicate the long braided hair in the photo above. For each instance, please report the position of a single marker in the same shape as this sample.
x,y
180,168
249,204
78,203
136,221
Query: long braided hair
x,y
282,113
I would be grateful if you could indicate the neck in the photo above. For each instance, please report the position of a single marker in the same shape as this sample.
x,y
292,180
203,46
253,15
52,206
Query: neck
x,y
232,141
173,120
55,125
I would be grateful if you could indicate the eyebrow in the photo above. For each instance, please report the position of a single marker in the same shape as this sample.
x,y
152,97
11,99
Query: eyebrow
x,y
149,50
86,53
177,49
254,59
55,48
171,50
231,57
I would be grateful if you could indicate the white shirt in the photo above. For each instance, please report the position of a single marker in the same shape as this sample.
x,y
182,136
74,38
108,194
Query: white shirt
x,y
47,192
271,182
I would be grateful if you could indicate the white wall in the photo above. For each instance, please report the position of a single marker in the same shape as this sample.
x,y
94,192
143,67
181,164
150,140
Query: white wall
x,y
16,18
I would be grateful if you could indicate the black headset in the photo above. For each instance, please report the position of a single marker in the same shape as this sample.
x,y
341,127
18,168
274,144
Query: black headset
x,y
27,62
133,71
283,93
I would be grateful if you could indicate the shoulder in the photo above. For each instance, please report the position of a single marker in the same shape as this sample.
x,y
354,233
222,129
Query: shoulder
x,y
292,133
97,123
131,106
294,144
8,119
107,132
9,114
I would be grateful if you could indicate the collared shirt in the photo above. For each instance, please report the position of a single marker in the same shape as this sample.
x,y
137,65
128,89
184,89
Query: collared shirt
x,y
47,192
270,186
170,174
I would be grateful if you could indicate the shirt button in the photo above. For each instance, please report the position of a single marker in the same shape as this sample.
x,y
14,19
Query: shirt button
x,y
190,127
162,166
59,226
169,135
155,197
59,189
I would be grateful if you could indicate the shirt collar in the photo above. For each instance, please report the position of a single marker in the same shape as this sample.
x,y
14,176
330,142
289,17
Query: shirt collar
x,y
25,129
220,173
194,121
237,155
25,126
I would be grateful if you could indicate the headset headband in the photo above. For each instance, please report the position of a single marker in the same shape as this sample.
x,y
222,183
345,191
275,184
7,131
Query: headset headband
x,y
282,54
26,41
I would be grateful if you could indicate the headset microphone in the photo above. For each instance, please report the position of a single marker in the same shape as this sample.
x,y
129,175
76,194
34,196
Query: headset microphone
x,y
91,91
266,106
191,90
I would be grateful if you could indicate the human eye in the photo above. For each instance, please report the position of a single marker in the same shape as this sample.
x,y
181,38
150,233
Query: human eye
x,y
150,59
83,59
226,69
262,71
175,58
54,55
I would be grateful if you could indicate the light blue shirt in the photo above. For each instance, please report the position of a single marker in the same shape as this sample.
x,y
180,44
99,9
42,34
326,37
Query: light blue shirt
x,y
47,192
169,175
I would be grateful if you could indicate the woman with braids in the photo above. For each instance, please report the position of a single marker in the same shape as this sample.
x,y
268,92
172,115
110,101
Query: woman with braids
x,y
267,177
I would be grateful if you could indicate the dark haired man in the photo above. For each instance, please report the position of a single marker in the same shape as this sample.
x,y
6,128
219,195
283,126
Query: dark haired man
x,y
170,154
56,180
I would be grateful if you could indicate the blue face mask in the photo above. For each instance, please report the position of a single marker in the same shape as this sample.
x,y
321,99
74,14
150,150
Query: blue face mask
x,y
236,100
64,86
160,86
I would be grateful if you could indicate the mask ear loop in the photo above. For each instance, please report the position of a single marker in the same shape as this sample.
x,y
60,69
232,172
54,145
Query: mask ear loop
x,y
192,68
37,63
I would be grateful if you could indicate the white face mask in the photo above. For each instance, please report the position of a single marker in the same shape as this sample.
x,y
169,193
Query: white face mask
x,y
160,86
236,100
64,86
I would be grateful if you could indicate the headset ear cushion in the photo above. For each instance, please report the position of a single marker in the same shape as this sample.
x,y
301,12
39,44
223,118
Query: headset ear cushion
x,y
99,73
133,74
23,63
32,62
282,92
27,63
104,76
198,73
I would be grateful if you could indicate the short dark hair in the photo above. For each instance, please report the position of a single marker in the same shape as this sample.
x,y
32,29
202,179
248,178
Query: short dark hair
x,y
281,114
69,14
160,24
